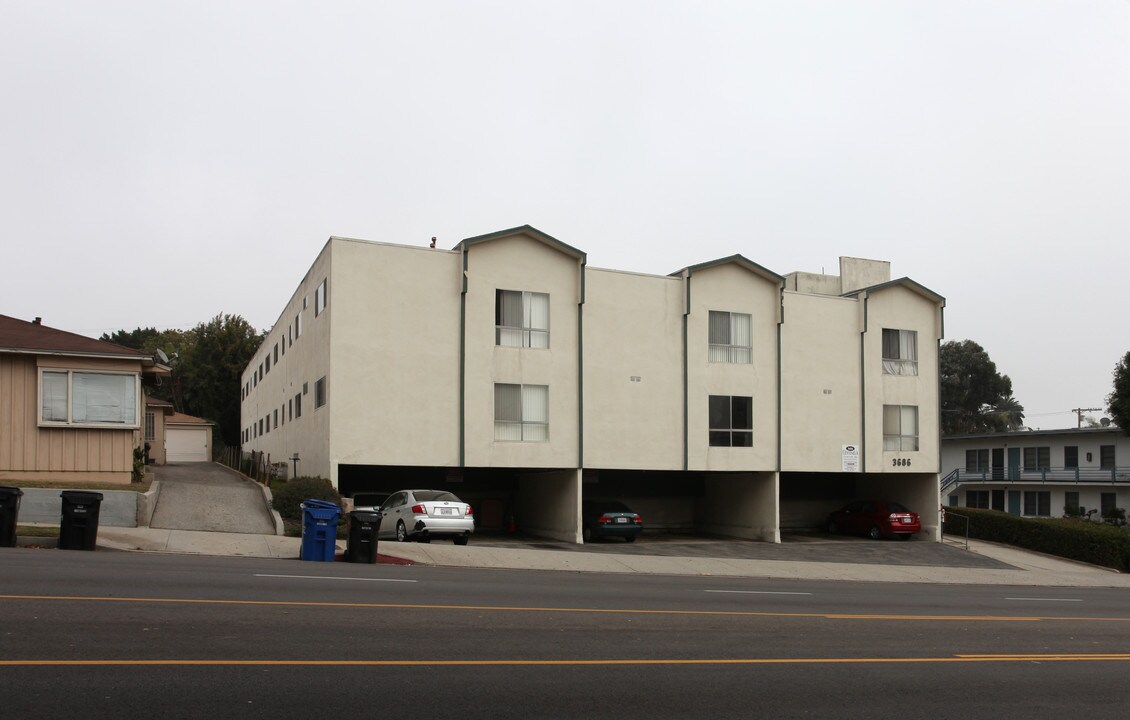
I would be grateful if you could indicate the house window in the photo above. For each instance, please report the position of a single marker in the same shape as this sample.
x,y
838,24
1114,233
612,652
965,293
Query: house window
x,y
1037,459
976,460
320,298
521,319
1071,456
1107,503
319,393
977,499
521,412
730,337
731,421
1106,457
71,397
298,405
900,352
1038,503
900,427
150,426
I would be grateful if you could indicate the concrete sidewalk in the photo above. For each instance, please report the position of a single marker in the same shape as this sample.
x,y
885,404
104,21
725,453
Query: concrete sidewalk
x,y
1025,568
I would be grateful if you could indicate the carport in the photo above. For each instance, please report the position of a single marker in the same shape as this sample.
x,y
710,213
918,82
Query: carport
x,y
807,498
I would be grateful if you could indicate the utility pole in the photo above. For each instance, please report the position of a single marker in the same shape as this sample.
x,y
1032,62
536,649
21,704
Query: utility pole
x,y
1079,414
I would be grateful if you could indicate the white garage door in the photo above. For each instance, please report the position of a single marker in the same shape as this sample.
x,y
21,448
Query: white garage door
x,y
186,445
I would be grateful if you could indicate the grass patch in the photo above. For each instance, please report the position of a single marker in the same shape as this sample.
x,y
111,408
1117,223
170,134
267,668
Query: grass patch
x,y
37,530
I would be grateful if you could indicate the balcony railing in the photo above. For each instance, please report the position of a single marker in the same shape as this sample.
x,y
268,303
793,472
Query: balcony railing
x,y
1013,475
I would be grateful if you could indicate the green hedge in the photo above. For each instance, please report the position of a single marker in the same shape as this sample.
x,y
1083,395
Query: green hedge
x,y
1091,542
287,497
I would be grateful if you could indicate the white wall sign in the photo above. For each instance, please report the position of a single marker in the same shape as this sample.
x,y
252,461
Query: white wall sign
x,y
850,458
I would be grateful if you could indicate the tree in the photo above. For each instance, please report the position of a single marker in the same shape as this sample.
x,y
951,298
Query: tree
x,y
1118,402
210,367
974,396
150,340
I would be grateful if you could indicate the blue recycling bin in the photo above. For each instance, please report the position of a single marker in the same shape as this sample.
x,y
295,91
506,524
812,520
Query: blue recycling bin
x,y
319,530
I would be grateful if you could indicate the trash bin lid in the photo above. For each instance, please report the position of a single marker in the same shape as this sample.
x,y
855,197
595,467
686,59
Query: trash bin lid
x,y
365,515
81,496
323,504
4,490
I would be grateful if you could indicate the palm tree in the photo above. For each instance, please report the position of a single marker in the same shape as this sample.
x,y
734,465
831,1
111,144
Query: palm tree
x,y
1011,413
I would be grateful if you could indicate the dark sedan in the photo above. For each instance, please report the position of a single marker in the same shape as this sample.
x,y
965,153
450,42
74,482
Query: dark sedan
x,y
609,518
875,519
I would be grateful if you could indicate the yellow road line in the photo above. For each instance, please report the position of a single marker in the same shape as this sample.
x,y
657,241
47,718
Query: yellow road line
x,y
1110,657
597,611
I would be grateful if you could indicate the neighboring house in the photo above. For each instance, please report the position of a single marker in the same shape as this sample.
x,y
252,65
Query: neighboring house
x,y
724,397
187,438
70,406
1038,473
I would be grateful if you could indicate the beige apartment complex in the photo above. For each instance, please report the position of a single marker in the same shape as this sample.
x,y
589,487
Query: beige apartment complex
x,y
723,398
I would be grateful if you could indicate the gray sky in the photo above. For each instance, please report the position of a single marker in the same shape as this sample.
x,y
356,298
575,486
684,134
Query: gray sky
x,y
163,162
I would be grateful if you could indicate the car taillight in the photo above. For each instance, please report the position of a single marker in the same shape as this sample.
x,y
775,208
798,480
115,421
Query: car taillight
x,y
419,510
470,512
637,519
604,519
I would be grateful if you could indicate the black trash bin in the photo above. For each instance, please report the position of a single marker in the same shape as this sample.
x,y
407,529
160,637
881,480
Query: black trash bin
x,y
362,544
78,528
9,513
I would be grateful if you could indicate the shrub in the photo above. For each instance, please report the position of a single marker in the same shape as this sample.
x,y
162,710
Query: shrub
x,y
1091,542
288,498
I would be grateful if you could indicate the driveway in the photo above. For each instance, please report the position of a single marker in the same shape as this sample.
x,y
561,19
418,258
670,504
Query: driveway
x,y
209,497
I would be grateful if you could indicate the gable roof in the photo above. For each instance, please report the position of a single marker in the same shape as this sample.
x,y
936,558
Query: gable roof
x,y
177,418
528,231
739,260
902,282
32,337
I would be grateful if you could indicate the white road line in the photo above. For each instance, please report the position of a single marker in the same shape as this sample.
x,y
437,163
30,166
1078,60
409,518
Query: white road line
x,y
1046,599
329,577
756,592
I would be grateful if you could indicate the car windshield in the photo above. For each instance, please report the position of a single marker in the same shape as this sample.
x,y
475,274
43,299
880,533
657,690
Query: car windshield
x,y
435,496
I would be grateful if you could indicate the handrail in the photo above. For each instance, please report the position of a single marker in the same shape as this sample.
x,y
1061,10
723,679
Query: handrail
x,y
946,511
1062,475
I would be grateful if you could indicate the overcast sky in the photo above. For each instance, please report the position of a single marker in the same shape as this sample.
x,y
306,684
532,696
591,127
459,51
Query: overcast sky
x,y
164,162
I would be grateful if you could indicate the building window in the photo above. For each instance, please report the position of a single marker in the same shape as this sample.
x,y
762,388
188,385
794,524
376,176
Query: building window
x,y
71,397
1071,456
521,319
319,393
260,426
521,412
976,460
290,409
1037,459
900,352
1106,457
977,499
320,298
267,364
150,426
305,388
298,405
731,337
1071,503
900,427
276,419
1037,503
276,353
1107,503
731,421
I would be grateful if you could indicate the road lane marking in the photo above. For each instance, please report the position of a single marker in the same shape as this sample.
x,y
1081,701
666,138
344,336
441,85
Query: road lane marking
x,y
756,592
1060,657
593,611
1046,599
331,577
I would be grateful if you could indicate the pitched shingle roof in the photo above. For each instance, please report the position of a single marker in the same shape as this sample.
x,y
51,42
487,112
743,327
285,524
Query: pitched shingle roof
x,y
24,336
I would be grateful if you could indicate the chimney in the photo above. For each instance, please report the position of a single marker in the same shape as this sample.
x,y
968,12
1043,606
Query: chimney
x,y
37,321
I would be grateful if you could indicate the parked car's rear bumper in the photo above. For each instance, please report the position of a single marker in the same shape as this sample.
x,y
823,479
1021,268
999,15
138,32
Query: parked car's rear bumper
x,y
443,526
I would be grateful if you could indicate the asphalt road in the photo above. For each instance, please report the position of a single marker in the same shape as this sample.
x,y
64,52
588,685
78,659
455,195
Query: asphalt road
x,y
100,635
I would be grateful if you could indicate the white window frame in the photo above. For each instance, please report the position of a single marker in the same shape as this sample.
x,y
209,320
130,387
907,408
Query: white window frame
x,y
900,352
730,337
533,328
150,426
524,418
900,428
69,420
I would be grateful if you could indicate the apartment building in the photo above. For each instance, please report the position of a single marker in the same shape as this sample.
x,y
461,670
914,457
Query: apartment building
x,y
722,398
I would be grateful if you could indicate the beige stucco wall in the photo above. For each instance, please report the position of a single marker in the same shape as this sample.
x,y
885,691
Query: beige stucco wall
x,y
549,504
395,375
900,308
525,264
731,288
59,454
819,381
742,505
633,394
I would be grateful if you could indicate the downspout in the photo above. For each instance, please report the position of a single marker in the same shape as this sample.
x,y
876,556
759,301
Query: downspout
x,y
941,333
863,390
581,368
463,363
780,380
686,378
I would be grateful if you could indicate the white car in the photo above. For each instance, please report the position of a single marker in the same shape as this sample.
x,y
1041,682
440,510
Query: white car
x,y
424,514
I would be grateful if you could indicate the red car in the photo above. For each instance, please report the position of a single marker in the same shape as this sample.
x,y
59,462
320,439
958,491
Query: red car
x,y
875,519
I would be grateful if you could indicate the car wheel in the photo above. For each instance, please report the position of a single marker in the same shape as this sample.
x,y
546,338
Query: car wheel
x,y
629,538
586,534
833,528
874,533
401,532
461,539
